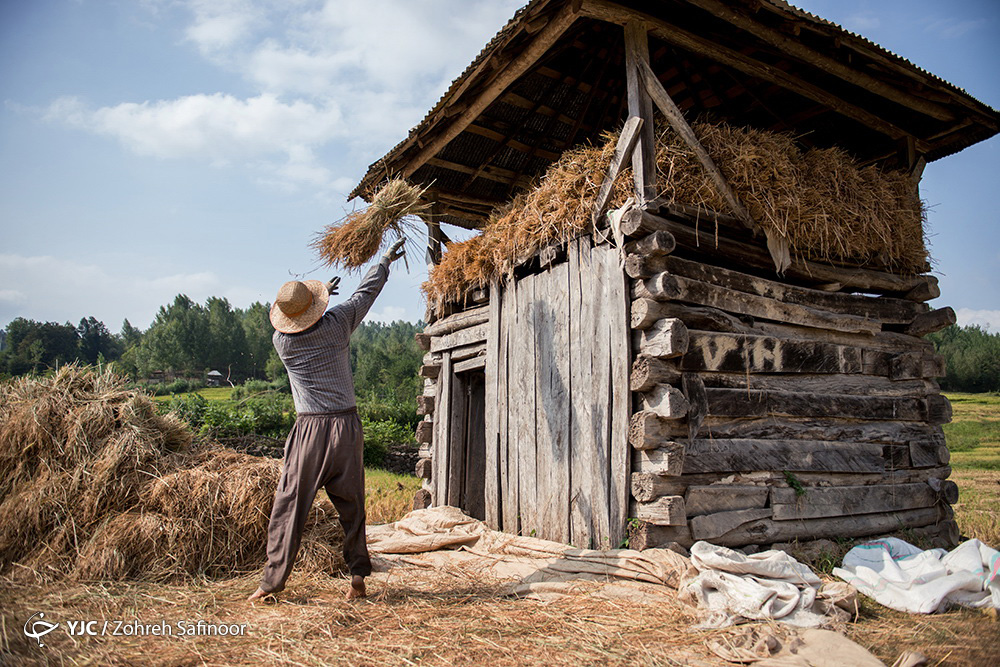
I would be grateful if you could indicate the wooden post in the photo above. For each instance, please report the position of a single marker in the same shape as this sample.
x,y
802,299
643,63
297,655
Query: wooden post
x,y
659,95
639,104
434,236
624,150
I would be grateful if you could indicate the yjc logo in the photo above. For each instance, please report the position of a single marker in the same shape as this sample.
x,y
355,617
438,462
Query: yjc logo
x,y
39,628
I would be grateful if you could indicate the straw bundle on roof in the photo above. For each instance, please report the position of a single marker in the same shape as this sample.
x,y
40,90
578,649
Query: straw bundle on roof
x,y
353,241
827,207
94,483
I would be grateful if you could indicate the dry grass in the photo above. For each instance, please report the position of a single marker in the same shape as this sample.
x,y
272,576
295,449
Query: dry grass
x,y
94,484
353,241
826,206
413,616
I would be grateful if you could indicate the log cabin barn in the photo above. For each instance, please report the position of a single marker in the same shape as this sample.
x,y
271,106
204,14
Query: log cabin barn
x,y
622,355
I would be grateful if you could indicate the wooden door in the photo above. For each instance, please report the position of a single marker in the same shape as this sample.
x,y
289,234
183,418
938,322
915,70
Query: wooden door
x,y
558,401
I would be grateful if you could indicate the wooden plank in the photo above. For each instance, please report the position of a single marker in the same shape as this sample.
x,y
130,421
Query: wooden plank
x,y
552,403
656,244
492,431
458,321
524,372
718,455
815,428
666,401
673,114
425,432
425,405
600,424
711,526
765,354
428,371
472,364
857,385
850,500
931,322
468,351
648,430
664,339
669,287
668,459
442,433
646,535
647,486
423,469
757,403
508,472
627,140
469,336
724,498
694,392
883,309
582,436
639,104
621,409
647,372
769,531
664,511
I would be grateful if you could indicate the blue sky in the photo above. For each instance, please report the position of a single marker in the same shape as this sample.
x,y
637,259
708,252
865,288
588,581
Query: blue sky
x,y
156,147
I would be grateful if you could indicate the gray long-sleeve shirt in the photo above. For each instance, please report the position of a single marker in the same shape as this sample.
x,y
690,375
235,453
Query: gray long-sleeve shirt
x,y
318,359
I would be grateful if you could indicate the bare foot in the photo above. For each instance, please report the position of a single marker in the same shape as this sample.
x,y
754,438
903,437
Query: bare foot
x,y
357,589
259,594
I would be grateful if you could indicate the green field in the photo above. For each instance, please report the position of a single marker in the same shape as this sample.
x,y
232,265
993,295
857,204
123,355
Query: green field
x,y
210,393
974,441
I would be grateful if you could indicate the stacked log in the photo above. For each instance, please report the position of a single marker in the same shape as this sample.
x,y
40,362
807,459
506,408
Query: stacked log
x,y
457,341
772,409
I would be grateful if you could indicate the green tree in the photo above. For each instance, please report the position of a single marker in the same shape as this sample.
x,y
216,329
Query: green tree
x,y
257,330
972,358
177,340
96,342
34,346
226,346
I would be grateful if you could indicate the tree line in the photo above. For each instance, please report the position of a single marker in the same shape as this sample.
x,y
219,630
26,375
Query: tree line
x,y
187,339
972,358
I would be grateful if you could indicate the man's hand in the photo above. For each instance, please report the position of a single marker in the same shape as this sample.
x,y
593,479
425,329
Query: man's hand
x,y
333,285
396,251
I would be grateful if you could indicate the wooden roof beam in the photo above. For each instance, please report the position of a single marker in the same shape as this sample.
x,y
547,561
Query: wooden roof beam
x,y
613,13
829,65
490,173
517,67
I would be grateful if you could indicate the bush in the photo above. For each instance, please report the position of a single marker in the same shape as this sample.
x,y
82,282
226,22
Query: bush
x,y
381,410
379,435
267,414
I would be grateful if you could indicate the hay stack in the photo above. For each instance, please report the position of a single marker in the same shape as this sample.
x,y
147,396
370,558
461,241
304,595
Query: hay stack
x,y
827,207
95,484
353,241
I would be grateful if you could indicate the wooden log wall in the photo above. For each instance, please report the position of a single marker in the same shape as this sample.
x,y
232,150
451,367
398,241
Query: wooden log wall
x,y
770,409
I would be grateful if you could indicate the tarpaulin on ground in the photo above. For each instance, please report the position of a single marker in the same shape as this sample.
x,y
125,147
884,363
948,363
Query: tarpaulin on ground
x,y
906,578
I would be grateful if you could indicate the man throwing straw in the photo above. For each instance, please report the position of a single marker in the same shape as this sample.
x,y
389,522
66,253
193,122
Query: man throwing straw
x,y
325,446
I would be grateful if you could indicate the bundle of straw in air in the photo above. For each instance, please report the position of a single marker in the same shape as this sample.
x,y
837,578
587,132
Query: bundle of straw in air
x,y
351,242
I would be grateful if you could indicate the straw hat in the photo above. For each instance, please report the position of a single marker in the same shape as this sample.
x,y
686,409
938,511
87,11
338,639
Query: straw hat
x,y
299,305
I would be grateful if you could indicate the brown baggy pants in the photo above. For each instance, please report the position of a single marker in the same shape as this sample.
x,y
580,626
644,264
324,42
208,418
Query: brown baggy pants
x,y
323,450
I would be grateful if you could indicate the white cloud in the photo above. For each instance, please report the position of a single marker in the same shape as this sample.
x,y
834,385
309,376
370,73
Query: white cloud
x,y
43,284
219,25
349,75
953,28
215,127
387,315
987,319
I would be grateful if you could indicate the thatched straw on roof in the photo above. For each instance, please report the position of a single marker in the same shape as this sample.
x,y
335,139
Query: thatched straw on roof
x,y
827,207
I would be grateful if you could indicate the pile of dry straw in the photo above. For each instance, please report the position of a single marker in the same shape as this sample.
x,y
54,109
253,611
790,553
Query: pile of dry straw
x,y
827,207
94,484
